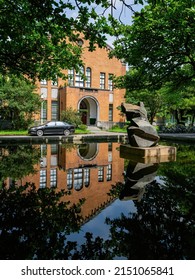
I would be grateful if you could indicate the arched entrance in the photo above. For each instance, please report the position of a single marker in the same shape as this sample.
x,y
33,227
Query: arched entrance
x,y
88,107
88,151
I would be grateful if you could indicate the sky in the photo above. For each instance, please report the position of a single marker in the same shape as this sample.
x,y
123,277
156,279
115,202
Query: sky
x,y
122,13
119,11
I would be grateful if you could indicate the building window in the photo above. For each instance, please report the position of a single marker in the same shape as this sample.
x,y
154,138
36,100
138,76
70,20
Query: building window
x,y
110,81
79,82
69,179
80,42
54,93
54,110
78,179
43,150
43,179
109,173
110,146
86,177
53,160
102,80
43,82
110,117
71,77
100,174
54,82
54,149
43,93
43,110
53,178
88,77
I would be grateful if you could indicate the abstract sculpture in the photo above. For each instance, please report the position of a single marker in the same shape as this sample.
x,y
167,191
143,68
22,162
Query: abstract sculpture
x,y
140,132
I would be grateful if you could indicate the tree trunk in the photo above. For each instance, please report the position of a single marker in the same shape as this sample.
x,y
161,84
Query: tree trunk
x,y
177,116
193,119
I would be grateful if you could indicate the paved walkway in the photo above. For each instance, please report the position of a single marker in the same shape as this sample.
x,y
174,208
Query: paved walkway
x,y
96,130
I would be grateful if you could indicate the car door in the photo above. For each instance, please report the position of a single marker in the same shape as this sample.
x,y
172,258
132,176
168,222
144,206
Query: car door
x,y
59,128
50,128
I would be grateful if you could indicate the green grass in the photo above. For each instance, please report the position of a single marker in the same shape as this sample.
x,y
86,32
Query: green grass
x,y
25,132
118,130
80,131
13,132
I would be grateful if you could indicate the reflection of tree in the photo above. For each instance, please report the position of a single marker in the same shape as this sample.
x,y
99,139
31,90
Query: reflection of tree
x,y
18,161
180,178
159,230
69,146
93,249
34,223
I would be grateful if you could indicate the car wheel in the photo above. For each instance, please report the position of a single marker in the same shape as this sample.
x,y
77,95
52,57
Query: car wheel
x,y
66,132
39,132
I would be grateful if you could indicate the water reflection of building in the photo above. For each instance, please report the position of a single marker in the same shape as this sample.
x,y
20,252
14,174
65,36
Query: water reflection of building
x,y
87,170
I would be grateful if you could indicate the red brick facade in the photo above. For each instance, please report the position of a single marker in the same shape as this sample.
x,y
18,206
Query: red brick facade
x,y
88,172
95,97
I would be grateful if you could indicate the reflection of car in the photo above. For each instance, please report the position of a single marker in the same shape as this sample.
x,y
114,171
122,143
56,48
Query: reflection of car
x,y
52,128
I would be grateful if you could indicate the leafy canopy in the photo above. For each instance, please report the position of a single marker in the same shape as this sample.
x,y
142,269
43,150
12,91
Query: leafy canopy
x,y
40,38
159,46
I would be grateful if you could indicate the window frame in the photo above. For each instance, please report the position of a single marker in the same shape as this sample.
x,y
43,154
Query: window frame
x,y
54,110
102,80
110,113
110,82
79,81
71,77
88,77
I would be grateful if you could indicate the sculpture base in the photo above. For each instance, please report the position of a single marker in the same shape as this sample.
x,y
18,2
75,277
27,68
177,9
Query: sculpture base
x,y
155,154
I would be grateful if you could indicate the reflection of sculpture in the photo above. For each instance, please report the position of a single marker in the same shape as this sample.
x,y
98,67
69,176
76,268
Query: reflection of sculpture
x,y
138,175
140,132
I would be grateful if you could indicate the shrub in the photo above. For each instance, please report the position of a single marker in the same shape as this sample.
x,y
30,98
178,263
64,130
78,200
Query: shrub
x,y
83,127
72,116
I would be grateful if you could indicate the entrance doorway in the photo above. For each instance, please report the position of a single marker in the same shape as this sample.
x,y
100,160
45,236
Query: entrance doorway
x,y
83,110
89,110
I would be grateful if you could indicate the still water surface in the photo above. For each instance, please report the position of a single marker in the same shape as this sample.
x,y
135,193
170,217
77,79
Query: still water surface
x,y
87,202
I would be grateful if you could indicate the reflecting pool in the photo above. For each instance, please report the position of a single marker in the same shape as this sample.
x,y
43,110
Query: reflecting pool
x,y
86,201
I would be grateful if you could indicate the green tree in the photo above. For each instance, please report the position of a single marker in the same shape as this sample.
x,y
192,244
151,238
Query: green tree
x,y
34,223
153,100
166,101
159,46
18,161
18,101
179,102
40,38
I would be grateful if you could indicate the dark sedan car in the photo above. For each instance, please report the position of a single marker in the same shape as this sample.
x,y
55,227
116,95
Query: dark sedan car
x,y
52,128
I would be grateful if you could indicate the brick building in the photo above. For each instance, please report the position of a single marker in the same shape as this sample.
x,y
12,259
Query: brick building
x,y
95,96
